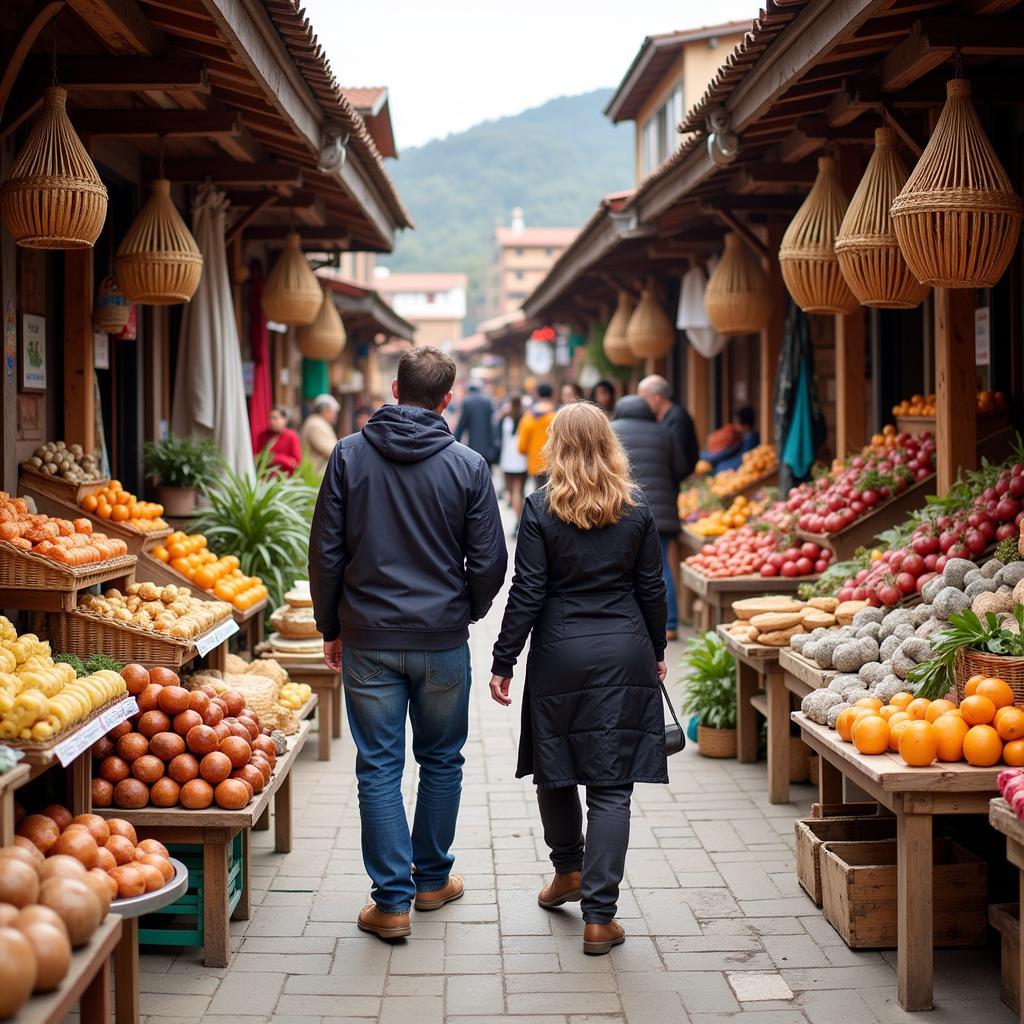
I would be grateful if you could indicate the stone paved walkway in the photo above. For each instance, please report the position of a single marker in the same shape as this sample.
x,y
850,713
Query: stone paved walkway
x,y
718,928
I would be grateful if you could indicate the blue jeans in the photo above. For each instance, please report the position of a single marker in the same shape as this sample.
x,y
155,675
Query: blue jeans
x,y
432,687
670,581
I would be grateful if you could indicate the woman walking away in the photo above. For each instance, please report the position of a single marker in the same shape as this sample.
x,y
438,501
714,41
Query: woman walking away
x,y
588,586
513,463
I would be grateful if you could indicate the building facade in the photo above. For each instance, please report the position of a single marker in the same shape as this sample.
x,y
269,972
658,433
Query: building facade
x,y
435,304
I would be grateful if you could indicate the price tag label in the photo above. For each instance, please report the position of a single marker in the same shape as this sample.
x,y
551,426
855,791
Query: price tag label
x,y
80,742
216,637
118,713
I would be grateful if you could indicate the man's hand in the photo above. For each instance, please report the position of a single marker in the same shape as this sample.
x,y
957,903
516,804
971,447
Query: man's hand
x,y
662,670
332,654
499,690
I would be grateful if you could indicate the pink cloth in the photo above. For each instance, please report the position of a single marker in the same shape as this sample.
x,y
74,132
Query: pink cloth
x,y
285,449
259,350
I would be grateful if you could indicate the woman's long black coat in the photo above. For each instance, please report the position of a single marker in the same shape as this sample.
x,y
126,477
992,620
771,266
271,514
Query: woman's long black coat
x,y
595,602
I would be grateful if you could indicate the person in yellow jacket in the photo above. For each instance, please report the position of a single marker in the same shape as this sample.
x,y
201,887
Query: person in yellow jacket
x,y
533,433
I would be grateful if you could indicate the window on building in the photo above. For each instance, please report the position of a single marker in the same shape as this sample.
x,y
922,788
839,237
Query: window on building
x,y
519,275
549,252
431,297
519,251
659,137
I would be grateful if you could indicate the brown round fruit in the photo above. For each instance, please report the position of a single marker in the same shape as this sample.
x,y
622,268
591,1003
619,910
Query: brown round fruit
x,y
201,740
164,793
237,750
148,769
153,722
120,827
234,700
77,843
105,859
209,690
19,883
36,913
60,866
163,676
252,727
9,915
167,745
215,767
198,701
184,768
113,769
131,794
251,774
186,720
249,791
98,885
102,748
52,952
41,830
119,730
131,746
231,794
104,877
136,678
20,853
97,826
102,793
18,971
153,876
148,700
173,700
196,795
77,906
162,864
264,744
223,731
213,714
130,881
262,765
30,848
151,846
122,848
60,814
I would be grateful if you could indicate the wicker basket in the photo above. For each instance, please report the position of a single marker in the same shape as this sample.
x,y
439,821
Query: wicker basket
x,y
81,633
716,742
869,255
807,255
616,344
25,570
54,198
110,309
971,663
33,748
158,262
292,294
325,337
957,218
738,297
649,333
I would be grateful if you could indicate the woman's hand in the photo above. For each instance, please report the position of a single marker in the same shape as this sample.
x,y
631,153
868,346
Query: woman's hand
x,y
499,690
662,670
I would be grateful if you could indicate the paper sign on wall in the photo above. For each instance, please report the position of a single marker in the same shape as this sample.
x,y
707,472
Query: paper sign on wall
x,y
982,337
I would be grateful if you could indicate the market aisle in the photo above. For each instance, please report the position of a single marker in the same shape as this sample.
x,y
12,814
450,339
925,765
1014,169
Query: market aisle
x,y
718,928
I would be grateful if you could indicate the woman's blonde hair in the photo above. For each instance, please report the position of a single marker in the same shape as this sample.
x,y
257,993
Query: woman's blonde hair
x,y
588,472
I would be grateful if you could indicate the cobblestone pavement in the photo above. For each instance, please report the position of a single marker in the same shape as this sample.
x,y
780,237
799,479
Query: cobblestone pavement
x,y
718,928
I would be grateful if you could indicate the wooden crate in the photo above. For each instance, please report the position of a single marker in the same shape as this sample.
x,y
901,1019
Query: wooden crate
x,y
813,833
1005,919
858,882
988,423
66,490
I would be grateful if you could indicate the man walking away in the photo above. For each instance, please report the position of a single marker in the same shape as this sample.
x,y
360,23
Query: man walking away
x,y
476,422
533,432
406,550
320,431
654,390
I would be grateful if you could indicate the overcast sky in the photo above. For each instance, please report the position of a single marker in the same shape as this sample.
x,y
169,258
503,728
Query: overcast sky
x,y
451,64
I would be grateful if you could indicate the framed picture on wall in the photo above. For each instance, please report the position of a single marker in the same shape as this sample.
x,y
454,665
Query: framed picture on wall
x,y
33,352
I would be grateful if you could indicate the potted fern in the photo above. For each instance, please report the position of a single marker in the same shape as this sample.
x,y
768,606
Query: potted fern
x,y
710,694
180,467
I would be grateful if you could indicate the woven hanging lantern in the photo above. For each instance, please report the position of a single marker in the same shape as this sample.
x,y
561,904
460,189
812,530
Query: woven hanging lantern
x,y
325,337
110,309
616,345
869,255
53,198
957,219
291,294
738,296
807,255
158,262
649,333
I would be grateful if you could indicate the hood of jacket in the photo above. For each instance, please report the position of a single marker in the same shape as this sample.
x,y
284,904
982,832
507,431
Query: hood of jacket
x,y
542,407
407,433
632,407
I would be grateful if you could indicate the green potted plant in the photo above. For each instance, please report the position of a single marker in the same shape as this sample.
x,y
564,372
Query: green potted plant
x,y
710,694
180,467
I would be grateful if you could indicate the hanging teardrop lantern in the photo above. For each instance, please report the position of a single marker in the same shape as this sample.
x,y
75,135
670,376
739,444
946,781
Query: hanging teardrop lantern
x,y
325,337
616,345
738,297
957,218
807,255
869,255
110,309
53,197
692,317
649,333
291,294
158,262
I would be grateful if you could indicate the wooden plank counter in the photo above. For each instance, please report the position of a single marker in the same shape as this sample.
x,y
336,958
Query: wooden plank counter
x,y
914,795
325,683
1002,819
719,594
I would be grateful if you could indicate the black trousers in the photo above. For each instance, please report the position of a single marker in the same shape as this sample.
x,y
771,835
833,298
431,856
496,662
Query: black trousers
x,y
602,857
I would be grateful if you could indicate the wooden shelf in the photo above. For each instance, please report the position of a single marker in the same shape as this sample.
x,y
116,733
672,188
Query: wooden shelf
x,y
755,583
759,701
747,651
9,782
805,670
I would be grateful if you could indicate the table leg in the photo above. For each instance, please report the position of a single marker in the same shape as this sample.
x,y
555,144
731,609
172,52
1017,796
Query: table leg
x,y
778,738
80,784
830,783
336,712
325,719
216,931
914,910
263,821
1020,944
244,904
217,659
746,716
283,816
94,1006
126,973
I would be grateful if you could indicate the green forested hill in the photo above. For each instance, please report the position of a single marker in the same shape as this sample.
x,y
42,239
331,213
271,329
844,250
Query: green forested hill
x,y
555,161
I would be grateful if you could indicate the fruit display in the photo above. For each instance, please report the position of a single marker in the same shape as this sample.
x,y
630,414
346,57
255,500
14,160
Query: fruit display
x,y
294,695
721,520
66,461
755,464
924,405
773,620
68,543
40,698
116,504
192,749
170,610
1011,789
696,500
190,556
759,549
265,687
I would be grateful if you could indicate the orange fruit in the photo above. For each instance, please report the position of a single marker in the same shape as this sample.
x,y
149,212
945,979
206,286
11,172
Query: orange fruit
x,y
977,710
103,510
972,684
160,552
901,700
950,731
982,746
888,711
953,712
868,702
1013,753
918,744
1009,723
936,708
844,723
897,724
997,690
918,707
89,502
119,513
871,734
203,578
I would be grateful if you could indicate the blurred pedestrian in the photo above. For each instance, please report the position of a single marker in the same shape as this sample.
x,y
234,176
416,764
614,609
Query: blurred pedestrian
x,y
514,464
363,414
476,422
602,394
533,432
654,390
570,392
320,431
281,442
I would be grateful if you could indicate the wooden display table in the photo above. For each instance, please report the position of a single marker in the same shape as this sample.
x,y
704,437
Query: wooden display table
x,y
914,795
9,782
1002,819
325,683
214,829
719,594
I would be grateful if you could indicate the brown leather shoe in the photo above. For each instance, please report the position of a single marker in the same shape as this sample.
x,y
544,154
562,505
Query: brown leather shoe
x,y
560,890
598,939
385,926
452,890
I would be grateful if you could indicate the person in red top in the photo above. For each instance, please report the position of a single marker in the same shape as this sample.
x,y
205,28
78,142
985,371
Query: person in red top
x,y
284,444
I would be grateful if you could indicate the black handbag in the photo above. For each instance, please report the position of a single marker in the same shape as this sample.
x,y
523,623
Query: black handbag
x,y
675,735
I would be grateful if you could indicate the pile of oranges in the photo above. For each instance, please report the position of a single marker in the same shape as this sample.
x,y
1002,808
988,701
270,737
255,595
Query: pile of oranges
x,y
190,556
113,502
924,405
722,520
983,730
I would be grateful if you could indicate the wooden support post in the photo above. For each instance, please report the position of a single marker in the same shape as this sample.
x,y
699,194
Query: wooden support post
x,y
78,355
216,929
283,812
770,343
126,973
778,736
9,386
243,908
914,908
94,1006
747,721
830,784
955,385
698,392
851,388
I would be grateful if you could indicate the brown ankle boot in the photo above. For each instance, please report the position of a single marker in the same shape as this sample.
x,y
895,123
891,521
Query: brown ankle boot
x,y
598,939
451,890
385,926
561,889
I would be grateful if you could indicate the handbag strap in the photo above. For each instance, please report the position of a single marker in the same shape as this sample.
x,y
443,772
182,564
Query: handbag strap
x,y
668,701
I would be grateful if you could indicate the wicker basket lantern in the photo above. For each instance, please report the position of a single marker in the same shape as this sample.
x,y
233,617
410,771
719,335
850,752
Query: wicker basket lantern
x,y
738,298
158,262
54,198
869,255
650,333
111,311
616,344
958,218
292,294
325,337
807,255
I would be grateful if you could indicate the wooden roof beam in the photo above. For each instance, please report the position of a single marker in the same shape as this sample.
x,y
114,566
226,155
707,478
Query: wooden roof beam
x,y
731,221
126,74
20,38
171,124
853,100
756,175
311,237
121,24
193,170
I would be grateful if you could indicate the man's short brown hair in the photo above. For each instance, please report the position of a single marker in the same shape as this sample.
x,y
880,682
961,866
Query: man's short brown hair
x,y
425,376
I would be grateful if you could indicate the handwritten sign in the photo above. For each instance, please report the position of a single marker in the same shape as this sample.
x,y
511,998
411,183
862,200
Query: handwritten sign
x,y
85,737
119,713
208,641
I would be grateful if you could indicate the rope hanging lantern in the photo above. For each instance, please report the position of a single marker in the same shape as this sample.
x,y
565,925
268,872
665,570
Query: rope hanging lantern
x,y
325,337
616,344
869,255
738,297
649,333
53,197
957,218
807,255
292,294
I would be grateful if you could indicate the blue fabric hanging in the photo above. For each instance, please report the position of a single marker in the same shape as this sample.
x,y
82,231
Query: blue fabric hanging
x,y
798,454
